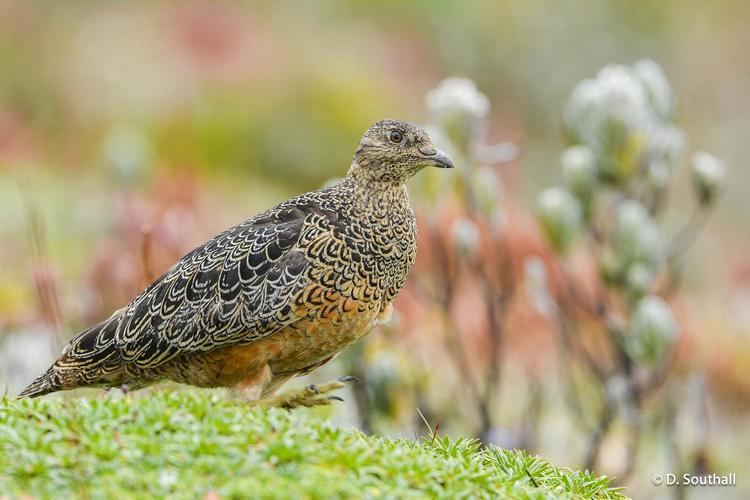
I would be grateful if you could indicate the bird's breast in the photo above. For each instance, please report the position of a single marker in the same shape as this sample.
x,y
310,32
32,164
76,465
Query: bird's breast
x,y
369,249
393,250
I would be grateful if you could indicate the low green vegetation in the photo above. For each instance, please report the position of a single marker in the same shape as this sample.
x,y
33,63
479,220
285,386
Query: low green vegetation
x,y
193,444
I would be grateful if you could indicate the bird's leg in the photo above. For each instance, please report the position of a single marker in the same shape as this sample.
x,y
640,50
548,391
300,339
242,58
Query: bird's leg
x,y
312,395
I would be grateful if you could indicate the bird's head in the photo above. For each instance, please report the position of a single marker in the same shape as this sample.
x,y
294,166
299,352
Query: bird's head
x,y
393,151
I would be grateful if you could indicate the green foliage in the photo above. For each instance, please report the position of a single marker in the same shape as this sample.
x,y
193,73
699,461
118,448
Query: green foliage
x,y
190,443
265,133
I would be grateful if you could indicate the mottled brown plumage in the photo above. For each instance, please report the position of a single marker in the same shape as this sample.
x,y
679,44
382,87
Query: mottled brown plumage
x,y
273,297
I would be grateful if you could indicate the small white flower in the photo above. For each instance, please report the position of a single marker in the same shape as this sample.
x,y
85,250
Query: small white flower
x,y
639,279
560,216
465,237
459,109
458,95
637,237
652,329
622,93
708,176
487,188
581,111
615,96
656,85
666,143
579,170
659,173
666,147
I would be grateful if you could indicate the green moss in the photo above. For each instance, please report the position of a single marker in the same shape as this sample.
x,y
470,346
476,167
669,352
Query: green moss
x,y
187,444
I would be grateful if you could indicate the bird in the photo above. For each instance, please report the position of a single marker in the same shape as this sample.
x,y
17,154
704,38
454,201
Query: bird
x,y
274,297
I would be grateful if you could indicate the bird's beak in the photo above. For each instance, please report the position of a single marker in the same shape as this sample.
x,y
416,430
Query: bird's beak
x,y
436,158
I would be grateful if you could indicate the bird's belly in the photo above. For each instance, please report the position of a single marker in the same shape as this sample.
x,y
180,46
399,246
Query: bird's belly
x,y
311,341
297,348
327,321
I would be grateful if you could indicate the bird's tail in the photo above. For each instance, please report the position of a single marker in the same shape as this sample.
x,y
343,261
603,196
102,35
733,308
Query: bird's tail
x,y
49,381
81,364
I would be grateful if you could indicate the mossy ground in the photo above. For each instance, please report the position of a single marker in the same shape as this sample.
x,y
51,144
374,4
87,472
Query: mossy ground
x,y
198,444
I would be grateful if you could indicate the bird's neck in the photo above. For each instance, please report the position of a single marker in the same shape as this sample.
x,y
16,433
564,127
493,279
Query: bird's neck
x,y
372,177
370,187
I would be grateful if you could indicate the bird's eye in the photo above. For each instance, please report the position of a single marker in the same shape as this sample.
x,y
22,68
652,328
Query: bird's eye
x,y
396,136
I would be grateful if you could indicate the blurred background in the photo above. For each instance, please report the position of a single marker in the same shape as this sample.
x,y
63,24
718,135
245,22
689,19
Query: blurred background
x,y
132,132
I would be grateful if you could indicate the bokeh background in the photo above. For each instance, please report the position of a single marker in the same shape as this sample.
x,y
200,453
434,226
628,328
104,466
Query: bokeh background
x,y
131,132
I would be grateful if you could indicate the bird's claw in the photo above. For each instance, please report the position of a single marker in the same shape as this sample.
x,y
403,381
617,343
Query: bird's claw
x,y
312,395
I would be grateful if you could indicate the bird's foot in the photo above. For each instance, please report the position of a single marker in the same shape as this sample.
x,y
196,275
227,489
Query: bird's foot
x,y
312,395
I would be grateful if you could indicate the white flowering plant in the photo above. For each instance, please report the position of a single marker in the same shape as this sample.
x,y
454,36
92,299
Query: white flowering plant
x,y
624,148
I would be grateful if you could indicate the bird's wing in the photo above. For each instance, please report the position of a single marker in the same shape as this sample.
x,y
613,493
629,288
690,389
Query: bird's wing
x,y
237,288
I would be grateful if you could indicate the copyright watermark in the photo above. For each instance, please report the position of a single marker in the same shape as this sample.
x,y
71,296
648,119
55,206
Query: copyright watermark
x,y
688,479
